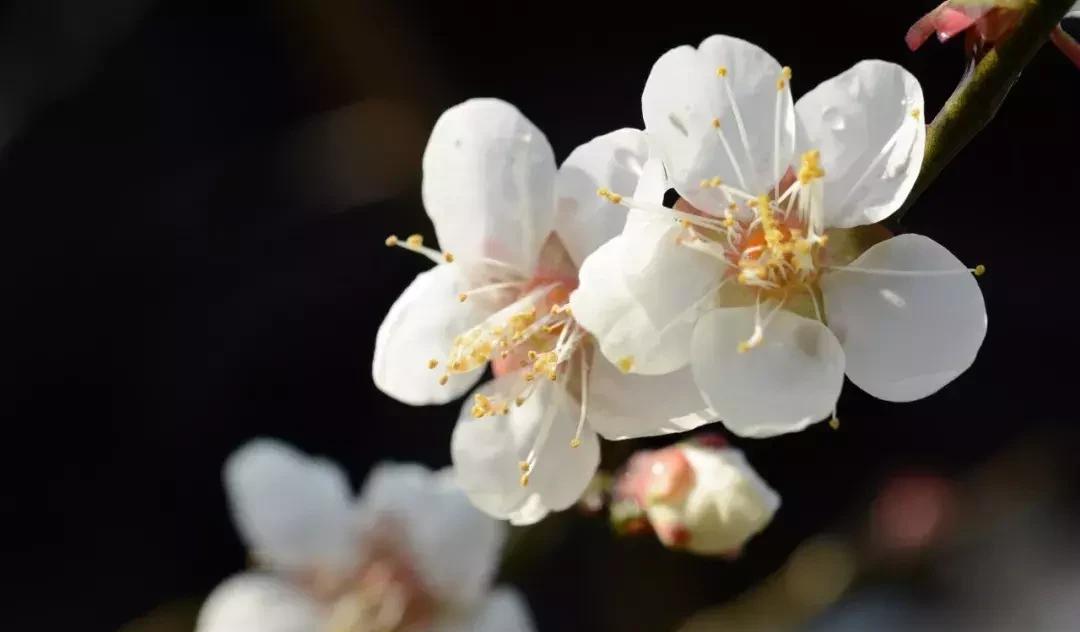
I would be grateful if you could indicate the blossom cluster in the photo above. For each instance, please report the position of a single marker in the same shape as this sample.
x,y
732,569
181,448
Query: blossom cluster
x,y
604,312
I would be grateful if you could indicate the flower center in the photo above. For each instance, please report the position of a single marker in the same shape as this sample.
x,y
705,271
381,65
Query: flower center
x,y
386,594
531,326
771,244
774,252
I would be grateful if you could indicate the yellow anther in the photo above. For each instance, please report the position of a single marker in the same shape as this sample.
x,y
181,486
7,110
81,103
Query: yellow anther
x,y
916,114
525,479
744,347
721,71
523,466
463,297
979,270
575,443
608,195
811,167
716,123
625,363
485,407
532,355
785,77
415,240
448,257
482,351
432,363
685,223
834,423
519,401
519,323
392,241
773,236
443,379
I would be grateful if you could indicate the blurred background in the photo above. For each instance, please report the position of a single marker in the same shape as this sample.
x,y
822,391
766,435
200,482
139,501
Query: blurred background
x,y
195,197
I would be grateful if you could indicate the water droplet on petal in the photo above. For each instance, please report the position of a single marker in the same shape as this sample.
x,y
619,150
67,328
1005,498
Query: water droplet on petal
x,y
855,88
833,119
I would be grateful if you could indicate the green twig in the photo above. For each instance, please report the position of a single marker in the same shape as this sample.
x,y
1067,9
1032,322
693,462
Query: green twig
x,y
975,101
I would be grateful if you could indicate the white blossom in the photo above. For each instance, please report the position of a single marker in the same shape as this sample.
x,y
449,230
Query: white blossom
x,y
515,229
409,553
749,279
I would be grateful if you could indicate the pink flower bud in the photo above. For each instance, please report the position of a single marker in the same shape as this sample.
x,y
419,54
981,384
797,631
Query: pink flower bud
x,y
698,495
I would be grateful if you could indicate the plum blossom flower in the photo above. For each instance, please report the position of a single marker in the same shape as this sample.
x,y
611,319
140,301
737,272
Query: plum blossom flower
x,y
698,495
518,228
985,22
750,280
409,554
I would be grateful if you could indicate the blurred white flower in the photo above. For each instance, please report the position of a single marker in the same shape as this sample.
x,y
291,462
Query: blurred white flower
x,y
745,280
409,553
515,229
699,496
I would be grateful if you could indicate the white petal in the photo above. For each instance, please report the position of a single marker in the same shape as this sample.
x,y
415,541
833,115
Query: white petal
x,y
487,452
293,511
504,610
420,326
653,182
253,602
531,512
666,279
789,381
868,124
604,306
454,546
623,406
684,94
905,337
1074,12
489,183
584,219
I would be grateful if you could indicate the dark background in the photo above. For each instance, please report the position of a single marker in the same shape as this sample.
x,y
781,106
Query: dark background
x,y
194,201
